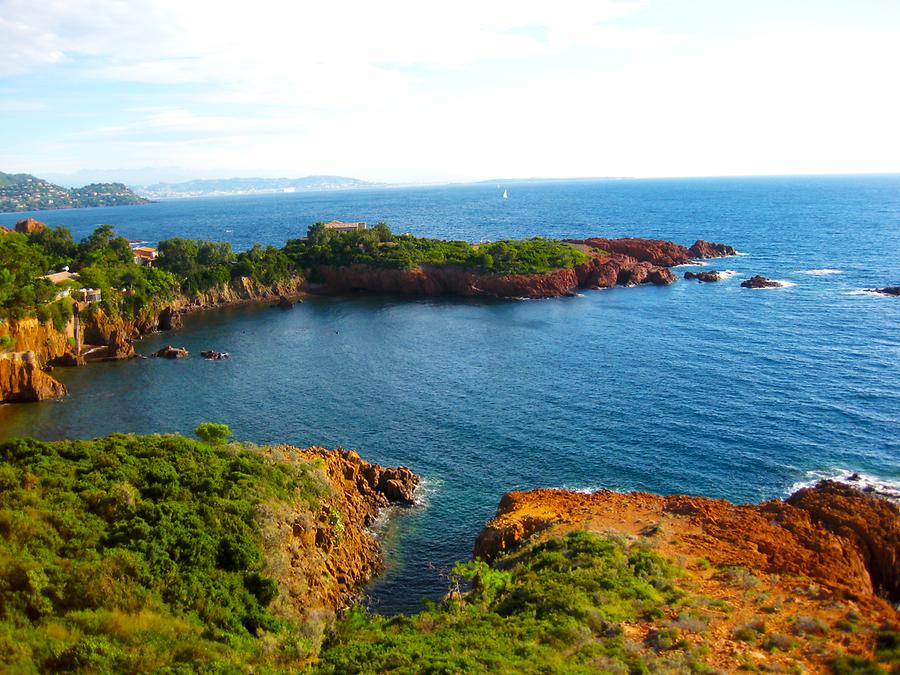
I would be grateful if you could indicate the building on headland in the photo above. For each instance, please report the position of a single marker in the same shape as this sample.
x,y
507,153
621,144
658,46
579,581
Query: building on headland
x,y
340,226
58,278
144,255
89,295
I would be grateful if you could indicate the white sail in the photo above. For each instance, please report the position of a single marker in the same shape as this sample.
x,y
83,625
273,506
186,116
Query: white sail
x,y
505,195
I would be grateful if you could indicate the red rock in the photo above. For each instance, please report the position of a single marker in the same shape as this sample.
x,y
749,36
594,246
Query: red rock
x,y
654,251
706,249
760,282
23,381
711,275
30,226
834,534
870,522
170,352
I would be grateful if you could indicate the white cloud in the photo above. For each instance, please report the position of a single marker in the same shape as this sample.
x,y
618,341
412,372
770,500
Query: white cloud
x,y
414,90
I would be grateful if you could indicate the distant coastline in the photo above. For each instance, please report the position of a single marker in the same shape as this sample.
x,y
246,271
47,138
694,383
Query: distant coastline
x,y
24,192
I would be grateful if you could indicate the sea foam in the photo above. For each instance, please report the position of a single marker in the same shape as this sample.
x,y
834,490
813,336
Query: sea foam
x,y
825,271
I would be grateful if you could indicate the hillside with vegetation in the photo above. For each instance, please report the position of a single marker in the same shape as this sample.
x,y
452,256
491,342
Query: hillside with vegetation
x,y
104,260
24,192
162,553
135,554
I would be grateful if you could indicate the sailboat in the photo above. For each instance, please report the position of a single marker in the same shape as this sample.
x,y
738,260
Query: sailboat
x,y
505,195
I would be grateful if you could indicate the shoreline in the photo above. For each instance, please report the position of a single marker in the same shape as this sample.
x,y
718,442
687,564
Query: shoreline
x,y
610,262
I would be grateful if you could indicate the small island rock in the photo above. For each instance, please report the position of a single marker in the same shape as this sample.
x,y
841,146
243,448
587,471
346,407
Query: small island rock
x,y
711,275
170,352
708,249
887,290
760,282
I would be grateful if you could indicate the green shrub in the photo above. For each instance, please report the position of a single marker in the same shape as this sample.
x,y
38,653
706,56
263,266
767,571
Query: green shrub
x,y
213,433
551,607
855,665
138,554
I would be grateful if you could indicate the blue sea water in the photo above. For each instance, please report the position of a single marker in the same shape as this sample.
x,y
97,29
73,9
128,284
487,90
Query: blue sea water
x,y
706,389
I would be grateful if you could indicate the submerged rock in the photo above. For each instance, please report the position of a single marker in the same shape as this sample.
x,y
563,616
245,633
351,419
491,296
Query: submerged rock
x,y
211,355
887,290
760,282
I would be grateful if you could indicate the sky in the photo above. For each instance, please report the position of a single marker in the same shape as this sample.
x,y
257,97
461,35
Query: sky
x,y
418,91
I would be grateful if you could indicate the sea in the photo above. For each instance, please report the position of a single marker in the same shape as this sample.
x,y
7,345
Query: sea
x,y
704,389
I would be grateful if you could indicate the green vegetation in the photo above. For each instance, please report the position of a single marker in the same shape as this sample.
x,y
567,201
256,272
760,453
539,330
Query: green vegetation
x,y
105,261
201,265
213,433
378,246
137,554
126,554
23,192
553,607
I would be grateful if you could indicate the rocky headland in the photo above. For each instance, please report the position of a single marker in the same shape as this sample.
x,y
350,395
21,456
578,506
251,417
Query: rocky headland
x,y
820,569
250,554
322,559
610,262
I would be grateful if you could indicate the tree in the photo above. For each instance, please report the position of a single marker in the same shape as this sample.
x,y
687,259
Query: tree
x,y
213,433
383,232
317,234
104,246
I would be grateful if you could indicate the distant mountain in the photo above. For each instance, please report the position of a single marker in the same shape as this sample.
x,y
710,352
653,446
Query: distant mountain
x,y
232,186
24,192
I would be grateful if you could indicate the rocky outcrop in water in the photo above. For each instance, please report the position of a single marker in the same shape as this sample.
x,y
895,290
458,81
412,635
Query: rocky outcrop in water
x,y
707,249
760,282
170,352
710,276
888,290
654,251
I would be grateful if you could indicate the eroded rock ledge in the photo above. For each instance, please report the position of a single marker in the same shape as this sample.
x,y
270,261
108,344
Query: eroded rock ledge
x,y
799,582
846,540
324,558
